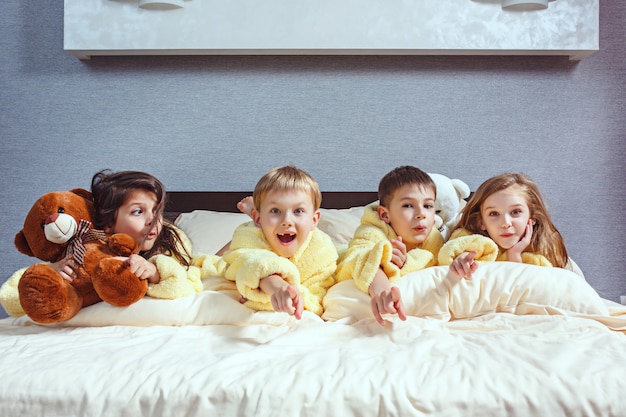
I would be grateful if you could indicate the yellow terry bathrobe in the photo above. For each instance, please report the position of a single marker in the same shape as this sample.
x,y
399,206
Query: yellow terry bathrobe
x,y
371,248
311,269
486,249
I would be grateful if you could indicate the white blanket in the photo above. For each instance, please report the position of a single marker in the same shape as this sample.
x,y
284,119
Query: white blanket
x,y
209,355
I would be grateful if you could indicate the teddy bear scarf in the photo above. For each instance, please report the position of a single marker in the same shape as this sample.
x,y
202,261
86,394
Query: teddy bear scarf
x,y
76,247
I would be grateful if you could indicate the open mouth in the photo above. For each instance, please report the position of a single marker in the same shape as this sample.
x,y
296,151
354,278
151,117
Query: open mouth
x,y
286,238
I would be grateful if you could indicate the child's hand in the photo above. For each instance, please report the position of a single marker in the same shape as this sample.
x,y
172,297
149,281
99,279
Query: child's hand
x,y
288,300
398,256
388,301
514,253
385,298
284,296
464,265
66,268
142,268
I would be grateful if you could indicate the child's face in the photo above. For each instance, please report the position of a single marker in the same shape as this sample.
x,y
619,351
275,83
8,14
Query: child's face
x,y
411,214
504,216
135,218
286,218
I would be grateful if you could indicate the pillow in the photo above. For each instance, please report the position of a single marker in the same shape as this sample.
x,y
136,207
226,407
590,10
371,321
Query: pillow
x,y
518,288
217,304
507,287
340,224
209,230
427,298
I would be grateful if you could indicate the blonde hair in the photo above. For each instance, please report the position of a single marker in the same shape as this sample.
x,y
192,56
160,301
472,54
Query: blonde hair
x,y
546,239
398,178
287,178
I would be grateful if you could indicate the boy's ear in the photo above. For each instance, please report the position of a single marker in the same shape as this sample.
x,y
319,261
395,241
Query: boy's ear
x,y
256,217
316,217
383,214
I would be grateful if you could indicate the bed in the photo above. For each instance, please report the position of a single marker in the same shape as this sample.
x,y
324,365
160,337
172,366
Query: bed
x,y
516,340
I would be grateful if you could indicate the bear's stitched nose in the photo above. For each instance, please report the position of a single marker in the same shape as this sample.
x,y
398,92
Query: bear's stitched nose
x,y
52,218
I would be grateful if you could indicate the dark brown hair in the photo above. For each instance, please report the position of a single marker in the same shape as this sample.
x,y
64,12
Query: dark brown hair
x,y
399,177
110,191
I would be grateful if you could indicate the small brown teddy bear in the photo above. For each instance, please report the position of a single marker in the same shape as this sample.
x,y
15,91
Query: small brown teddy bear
x,y
60,223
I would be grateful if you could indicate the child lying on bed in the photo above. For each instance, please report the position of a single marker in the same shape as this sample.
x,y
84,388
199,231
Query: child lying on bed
x,y
396,237
505,220
131,202
281,261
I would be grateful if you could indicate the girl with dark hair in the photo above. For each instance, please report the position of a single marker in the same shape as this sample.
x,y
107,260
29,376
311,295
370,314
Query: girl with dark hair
x,y
132,202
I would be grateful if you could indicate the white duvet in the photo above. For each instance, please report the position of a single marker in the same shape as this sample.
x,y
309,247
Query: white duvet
x,y
506,343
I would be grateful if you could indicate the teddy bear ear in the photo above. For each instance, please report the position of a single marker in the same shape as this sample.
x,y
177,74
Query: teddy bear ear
x,y
88,199
22,245
461,188
83,193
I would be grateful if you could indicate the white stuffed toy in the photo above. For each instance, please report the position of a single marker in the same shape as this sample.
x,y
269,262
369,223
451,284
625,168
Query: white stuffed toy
x,y
451,195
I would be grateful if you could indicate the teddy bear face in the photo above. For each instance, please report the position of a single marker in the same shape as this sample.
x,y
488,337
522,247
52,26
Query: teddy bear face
x,y
51,222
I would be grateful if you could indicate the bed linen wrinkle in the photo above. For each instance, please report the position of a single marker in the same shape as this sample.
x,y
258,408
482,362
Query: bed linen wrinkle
x,y
479,344
498,362
564,366
357,348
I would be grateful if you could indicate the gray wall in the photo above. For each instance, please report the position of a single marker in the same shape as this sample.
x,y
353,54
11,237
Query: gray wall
x,y
218,123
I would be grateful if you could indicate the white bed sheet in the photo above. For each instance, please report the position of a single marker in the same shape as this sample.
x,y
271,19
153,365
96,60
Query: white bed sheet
x,y
269,364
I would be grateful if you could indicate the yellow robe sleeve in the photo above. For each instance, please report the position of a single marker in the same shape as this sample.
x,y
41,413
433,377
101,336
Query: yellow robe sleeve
x,y
371,249
463,241
210,265
311,268
317,265
9,295
529,258
176,280
486,249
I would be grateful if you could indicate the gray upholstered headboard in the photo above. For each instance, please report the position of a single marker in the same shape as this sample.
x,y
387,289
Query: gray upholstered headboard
x,y
186,201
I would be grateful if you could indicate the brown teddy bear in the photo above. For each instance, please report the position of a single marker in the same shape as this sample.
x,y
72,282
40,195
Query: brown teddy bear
x,y
60,223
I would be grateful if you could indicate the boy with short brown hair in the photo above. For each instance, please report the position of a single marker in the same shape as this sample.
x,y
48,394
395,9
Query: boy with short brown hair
x,y
396,237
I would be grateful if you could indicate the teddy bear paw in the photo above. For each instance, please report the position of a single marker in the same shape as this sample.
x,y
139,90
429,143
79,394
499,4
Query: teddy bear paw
x,y
121,244
46,297
116,285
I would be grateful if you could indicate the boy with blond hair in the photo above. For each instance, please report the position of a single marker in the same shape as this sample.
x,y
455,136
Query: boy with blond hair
x,y
396,237
281,261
